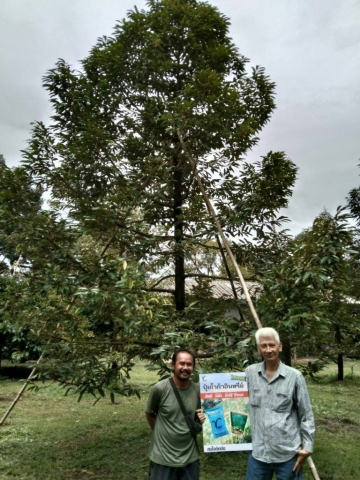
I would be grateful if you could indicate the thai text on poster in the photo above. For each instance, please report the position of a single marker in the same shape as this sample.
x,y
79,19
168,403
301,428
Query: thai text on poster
x,y
225,401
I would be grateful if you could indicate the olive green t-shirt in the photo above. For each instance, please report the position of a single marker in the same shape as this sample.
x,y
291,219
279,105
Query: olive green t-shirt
x,y
171,442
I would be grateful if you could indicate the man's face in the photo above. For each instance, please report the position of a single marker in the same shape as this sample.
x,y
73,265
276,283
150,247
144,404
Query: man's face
x,y
269,349
183,366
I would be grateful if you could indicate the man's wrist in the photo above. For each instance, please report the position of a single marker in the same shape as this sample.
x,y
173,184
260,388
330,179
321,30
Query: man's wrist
x,y
308,447
304,453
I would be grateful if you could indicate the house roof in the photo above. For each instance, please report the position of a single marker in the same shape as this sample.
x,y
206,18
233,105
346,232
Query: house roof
x,y
351,300
220,288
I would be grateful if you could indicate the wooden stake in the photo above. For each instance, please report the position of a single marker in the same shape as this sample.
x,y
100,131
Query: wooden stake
x,y
221,233
18,396
313,468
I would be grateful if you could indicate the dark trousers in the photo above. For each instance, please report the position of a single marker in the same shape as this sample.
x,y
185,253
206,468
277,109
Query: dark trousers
x,y
161,472
264,471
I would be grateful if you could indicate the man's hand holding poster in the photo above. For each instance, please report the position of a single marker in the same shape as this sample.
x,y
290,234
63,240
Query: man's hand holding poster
x,y
225,402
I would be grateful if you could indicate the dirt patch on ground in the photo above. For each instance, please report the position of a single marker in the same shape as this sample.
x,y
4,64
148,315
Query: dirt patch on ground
x,y
303,361
335,425
6,398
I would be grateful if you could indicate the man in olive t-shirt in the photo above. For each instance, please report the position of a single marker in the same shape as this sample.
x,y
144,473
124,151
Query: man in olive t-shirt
x,y
173,452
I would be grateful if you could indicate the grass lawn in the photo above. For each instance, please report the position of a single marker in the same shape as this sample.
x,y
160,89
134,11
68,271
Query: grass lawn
x,y
51,437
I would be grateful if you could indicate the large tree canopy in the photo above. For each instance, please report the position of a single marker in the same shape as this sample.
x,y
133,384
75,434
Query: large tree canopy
x,y
168,96
167,74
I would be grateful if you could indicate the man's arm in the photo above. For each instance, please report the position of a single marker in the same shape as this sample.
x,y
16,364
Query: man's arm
x,y
307,425
201,416
300,459
151,418
152,405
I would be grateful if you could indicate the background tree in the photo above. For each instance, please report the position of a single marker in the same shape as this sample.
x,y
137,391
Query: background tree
x,y
20,202
353,204
306,293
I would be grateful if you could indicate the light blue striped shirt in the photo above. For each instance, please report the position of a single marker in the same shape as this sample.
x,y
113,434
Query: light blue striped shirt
x,y
282,420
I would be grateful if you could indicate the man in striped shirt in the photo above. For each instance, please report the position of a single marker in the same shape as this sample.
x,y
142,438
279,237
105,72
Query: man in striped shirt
x,y
281,416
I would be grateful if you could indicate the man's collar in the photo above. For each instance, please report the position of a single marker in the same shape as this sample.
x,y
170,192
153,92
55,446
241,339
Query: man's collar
x,y
281,369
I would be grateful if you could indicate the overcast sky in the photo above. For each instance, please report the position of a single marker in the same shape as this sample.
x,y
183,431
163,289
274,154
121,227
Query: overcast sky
x,y
311,50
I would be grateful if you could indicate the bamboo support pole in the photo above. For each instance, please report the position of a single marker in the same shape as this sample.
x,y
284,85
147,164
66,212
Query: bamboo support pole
x,y
230,278
234,262
313,468
228,249
18,396
221,233
32,373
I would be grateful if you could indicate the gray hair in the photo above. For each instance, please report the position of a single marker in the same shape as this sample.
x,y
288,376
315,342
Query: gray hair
x,y
267,332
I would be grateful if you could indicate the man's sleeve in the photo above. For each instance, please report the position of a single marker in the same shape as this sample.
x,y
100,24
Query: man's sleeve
x,y
247,377
198,397
306,417
154,399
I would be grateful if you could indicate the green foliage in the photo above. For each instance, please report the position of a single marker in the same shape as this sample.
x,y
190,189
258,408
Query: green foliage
x,y
306,292
20,202
264,188
353,203
15,343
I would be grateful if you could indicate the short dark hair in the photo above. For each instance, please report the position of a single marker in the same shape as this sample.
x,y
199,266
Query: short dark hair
x,y
182,350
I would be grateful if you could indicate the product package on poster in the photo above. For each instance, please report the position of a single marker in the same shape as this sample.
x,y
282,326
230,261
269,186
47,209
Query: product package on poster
x,y
225,401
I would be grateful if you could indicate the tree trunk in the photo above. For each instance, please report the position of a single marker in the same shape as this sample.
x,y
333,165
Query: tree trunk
x,y
2,344
340,362
340,357
286,351
178,235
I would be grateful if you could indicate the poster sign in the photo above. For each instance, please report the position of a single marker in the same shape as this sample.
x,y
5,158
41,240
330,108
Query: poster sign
x,y
225,401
